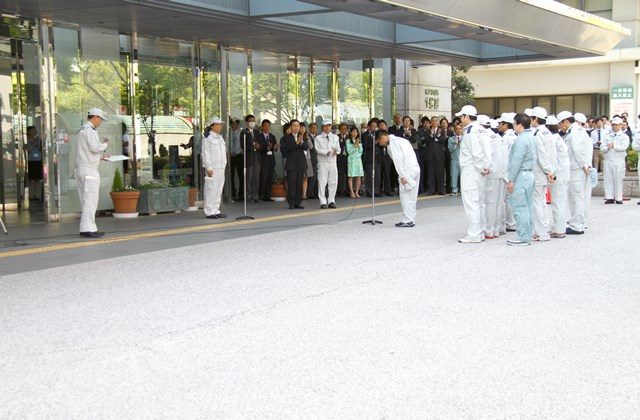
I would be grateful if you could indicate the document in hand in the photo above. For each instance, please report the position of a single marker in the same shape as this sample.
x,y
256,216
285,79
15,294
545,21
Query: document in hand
x,y
117,158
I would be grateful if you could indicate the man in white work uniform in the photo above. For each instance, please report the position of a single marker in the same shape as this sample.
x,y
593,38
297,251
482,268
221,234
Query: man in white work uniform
x,y
614,149
495,185
214,161
543,171
404,159
475,165
505,127
559,187
89,152
327,149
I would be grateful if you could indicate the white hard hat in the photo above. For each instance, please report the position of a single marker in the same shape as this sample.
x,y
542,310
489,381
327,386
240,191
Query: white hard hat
x,y
215,120
506,117
529,111
616,120
326,122
539,112
97,112
468,110
552,120
494,123
564,115
580,117
484,120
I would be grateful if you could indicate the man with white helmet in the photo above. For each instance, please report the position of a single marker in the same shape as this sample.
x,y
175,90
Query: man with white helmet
x,y
475,165
327,149
89,153
505,128
559,187
582,120
614,149
495,182
214,161
579,149
543,172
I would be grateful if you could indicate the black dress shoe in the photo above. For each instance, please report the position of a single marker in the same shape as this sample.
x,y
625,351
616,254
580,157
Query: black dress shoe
x,y
332,206
222,216
378,195
291,207
609,201
570,231
405,225
213,216
268,199
618,202
91,234
323,206
299,207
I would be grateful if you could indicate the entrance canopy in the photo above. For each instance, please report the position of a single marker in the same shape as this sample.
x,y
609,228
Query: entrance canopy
x,y
458,32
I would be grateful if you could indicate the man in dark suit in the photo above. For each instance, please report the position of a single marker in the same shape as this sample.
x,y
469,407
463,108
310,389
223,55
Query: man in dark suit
x,y
249,141
343,136
436,145
268,147
396,129
370,147
296,167
423,154
386,165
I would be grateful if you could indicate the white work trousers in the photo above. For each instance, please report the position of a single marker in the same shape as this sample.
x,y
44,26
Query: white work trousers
x,y
540,213
409,198
472,185
576,194
88,182
213,192
494,203
559,206
614,170
327,175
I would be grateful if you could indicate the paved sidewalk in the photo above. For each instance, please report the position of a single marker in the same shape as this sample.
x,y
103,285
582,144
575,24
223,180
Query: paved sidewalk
x,y
334,322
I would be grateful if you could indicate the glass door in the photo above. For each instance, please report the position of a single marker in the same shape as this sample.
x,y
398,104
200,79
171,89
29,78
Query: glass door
x,y
9,187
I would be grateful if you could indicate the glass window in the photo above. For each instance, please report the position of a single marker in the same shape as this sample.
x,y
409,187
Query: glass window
x,y
485,106
89,74
381,86
507,105
523,103
304,90
583,103
564,103
545,102
166,107
322,82
210,61
353,93
237,85
273,87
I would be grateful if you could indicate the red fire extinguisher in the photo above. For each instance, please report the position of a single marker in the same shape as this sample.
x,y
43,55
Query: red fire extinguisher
x,y
548,196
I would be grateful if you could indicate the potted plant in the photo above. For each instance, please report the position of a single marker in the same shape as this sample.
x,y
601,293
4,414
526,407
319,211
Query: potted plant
x,y
125,198
163,195
279,190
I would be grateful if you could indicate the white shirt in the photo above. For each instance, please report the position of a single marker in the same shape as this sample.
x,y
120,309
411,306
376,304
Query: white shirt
x,y
562,164
546,150
509,137
326,143
579,147
473,153
499,156
620,143
89,150
404,157
214,152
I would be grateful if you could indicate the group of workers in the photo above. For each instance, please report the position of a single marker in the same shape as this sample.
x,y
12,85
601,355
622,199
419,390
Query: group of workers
x,y
505,166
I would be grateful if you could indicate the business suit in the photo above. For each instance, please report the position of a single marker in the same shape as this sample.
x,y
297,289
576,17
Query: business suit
x,y
370,147
423,153
249,141
436,145
342,166
267,164
296,168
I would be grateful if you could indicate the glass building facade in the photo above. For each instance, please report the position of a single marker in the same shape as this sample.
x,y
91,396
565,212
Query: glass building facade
x,y
157,93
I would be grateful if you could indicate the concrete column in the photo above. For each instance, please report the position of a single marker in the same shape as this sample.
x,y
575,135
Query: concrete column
x,y
423,90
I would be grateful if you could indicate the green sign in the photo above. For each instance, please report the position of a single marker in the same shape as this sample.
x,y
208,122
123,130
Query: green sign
x,y
622,93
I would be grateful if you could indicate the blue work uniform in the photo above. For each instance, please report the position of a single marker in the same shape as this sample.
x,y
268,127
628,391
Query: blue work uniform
x,y
520,171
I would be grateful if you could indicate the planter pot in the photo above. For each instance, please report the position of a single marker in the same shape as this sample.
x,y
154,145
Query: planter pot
x,y
159,200
193,195
279,192
125,204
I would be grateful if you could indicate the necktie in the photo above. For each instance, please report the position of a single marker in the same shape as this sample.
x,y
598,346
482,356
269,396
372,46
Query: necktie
x,y
598,136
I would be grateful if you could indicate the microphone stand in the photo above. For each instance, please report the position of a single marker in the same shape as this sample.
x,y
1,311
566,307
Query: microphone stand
x,y
244,158
373,220
4,229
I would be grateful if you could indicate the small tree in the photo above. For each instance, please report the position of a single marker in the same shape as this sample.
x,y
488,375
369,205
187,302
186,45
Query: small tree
x,y
462,90
118,184
162,151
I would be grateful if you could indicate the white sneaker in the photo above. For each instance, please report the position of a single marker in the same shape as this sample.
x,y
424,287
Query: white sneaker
x,y
467,240
514,242
545,238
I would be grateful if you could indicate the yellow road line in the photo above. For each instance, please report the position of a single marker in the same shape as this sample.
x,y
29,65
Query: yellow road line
x,y
183,230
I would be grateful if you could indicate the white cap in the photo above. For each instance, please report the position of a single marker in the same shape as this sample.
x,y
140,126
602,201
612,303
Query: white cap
x,y
506,117
616,120
580,117
564,115
215,120
96,112
539,112
494,123
468,110
484,120
552,120
528,111
327,122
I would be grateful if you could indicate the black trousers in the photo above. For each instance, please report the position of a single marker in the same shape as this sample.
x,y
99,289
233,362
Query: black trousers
x,y
253,176
385,169
424,169
237,171
342,175
368,173
421,164
294,186
266,176
447,171
436,176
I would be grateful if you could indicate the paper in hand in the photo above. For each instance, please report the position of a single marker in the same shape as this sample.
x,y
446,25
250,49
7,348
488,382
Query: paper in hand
x,y
117,158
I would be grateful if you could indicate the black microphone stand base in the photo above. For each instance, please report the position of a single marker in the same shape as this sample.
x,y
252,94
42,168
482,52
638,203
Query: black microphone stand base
x,y
245,217
372,222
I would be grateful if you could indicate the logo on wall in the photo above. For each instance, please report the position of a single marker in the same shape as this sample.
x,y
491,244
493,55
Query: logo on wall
x,y
432,99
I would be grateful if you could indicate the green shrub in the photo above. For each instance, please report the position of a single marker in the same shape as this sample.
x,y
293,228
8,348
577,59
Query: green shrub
x,y
632,159
117,185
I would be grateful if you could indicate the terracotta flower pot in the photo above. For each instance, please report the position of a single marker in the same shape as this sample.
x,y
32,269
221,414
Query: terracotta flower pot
x,y
279,192
125,204
193,194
